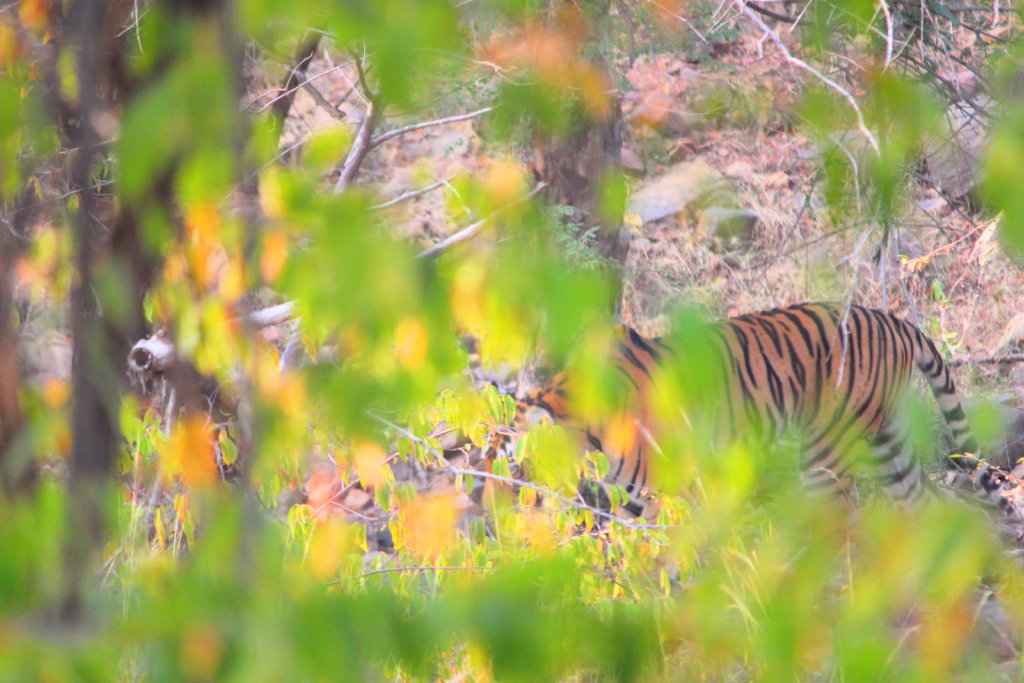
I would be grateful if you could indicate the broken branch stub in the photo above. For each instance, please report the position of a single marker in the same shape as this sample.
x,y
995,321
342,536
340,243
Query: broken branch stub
x,y
152,356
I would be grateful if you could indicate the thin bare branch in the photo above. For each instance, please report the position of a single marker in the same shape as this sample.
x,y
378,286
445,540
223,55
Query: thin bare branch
x,y
988,360
332,109
888,33
418,570
292,90
411,194
384,137
770,13
796,61
360,148
471,230
554,495
296,75
273,315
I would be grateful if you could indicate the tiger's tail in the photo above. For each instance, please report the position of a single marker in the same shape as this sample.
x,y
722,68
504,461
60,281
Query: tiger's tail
x,y
929,362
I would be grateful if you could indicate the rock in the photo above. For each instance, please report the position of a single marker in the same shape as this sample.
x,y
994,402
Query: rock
x,y
932,204
741,170
679,188
730,225
770,180
631,161
664,113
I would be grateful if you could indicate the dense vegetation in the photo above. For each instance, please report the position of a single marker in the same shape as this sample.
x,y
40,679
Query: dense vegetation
x,y
325,303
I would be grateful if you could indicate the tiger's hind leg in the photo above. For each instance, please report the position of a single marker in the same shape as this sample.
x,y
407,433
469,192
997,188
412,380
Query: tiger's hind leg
x,y
897,465
825,469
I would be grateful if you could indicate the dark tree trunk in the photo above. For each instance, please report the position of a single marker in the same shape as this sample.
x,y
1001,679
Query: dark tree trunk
x,y
17,468
575,166
108,248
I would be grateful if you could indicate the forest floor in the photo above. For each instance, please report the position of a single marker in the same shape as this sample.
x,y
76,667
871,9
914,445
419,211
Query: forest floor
x,y
735,116
730,118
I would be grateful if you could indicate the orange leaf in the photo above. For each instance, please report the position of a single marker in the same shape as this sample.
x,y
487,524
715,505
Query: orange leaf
x,y
189,453
322,489
10,48
202,648
429,525
55,393
203,221
620,434
274,256
35,14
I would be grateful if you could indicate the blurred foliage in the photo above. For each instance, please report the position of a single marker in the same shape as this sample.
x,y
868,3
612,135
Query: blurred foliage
x,y
737,576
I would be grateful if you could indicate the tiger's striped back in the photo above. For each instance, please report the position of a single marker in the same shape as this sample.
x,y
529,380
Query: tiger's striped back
x,y
834,380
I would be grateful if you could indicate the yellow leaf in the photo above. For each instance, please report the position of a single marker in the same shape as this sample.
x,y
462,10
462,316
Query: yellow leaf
x,y
181,506
10,47
203,252
272,194
429,525
369,460
552,456
231,285
505,182
159,531
274,256
284,389
189,453
174,267
411,342
62,439
203,222
540,530
328,547
468,294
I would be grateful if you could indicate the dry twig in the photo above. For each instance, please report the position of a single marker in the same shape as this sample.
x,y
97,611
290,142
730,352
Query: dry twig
x,y
796,61
471,230
411,194
543,490
361,146
384,137
988,360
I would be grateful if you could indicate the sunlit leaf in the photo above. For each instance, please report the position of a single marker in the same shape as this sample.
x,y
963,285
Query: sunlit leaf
x,y
189,454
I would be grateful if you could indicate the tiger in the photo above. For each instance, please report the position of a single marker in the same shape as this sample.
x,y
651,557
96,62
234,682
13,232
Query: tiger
x,y
834,376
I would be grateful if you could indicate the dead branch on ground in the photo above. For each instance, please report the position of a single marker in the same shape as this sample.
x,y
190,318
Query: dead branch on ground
x,y
384,137
471,230
411,194
989,360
